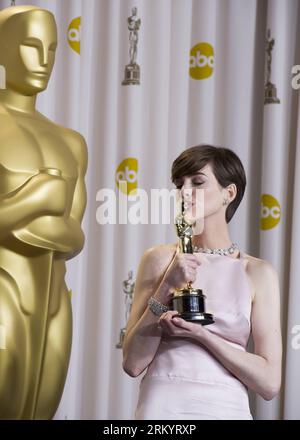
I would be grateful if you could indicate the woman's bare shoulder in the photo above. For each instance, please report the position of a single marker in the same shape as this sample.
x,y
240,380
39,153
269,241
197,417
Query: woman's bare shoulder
x,y
257,264
260,271
156,259
160,254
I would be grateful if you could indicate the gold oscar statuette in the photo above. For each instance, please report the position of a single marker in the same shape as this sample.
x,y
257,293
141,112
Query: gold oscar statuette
x,y
42,202
189,302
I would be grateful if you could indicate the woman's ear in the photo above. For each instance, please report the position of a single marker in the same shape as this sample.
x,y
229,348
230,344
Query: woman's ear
x,y
231,192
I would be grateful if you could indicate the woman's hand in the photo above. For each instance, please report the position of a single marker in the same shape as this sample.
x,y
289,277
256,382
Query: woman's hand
x,y
182,270
178,327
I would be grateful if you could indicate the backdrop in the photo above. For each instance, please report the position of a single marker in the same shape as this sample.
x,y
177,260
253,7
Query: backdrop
x,y
209,72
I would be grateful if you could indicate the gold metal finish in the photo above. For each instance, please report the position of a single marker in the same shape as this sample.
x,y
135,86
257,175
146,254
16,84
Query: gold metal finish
x,y
189,289
189,302
42,201
184,230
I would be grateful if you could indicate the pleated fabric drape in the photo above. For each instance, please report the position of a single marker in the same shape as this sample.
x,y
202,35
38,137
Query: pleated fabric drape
x,y
203,74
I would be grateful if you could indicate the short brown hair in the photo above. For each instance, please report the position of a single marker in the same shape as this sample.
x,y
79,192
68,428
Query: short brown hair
x,y
226,166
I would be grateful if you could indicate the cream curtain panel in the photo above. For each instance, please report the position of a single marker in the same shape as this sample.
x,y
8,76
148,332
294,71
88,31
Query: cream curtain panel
x,y
209,72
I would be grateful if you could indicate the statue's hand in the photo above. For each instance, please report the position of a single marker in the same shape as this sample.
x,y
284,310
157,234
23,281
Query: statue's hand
x,y
48,194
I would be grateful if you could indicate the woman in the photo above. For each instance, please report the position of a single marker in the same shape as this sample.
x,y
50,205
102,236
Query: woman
x,y
194,371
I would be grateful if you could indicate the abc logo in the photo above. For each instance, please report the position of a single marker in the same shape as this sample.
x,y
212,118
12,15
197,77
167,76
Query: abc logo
x,y
74,34
270,212
202,61
127,172
296,338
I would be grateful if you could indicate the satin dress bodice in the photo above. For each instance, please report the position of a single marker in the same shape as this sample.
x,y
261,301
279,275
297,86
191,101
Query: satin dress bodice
x,y
184,380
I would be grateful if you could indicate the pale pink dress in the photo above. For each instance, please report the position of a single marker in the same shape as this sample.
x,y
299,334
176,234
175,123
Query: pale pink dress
x,y
185,381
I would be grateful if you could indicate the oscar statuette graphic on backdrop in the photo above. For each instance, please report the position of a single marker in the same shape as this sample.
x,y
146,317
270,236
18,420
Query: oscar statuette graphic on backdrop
x,y
128,289
270,88
132,70
43,199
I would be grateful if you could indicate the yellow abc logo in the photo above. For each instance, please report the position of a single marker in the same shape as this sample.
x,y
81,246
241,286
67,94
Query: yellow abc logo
x,y
74,34
127,172
270,212
202,61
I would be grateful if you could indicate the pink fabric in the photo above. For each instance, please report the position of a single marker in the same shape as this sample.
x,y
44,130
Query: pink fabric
x,y
184,381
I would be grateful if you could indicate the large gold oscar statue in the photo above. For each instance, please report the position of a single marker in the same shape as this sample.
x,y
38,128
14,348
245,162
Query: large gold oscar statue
x,y
42,201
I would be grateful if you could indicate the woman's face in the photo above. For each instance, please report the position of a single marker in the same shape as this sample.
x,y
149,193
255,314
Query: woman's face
x,y
203,196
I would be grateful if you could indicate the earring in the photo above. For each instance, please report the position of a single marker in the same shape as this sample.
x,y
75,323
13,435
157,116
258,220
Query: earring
x,y
225,201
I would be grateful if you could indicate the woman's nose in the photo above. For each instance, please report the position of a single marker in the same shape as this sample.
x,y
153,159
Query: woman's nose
x,y
186,191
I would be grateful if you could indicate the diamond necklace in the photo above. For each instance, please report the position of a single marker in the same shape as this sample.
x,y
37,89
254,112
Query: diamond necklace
x,y
226,251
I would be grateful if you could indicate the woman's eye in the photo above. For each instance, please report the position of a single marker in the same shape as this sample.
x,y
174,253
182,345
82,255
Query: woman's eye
x,y
198,183
179,185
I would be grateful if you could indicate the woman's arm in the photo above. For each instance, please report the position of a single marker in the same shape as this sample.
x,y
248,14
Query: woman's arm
x,y
142,333
261,370
162,269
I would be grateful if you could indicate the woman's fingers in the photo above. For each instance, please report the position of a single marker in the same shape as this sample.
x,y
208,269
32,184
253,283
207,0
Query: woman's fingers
x,y
166,317
190,276
179,322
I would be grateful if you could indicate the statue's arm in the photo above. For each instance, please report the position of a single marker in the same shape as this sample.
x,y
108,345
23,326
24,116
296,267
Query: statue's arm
x,y
79,149
40,195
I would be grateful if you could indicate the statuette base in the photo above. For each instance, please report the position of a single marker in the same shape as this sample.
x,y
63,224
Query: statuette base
x,y
132,75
